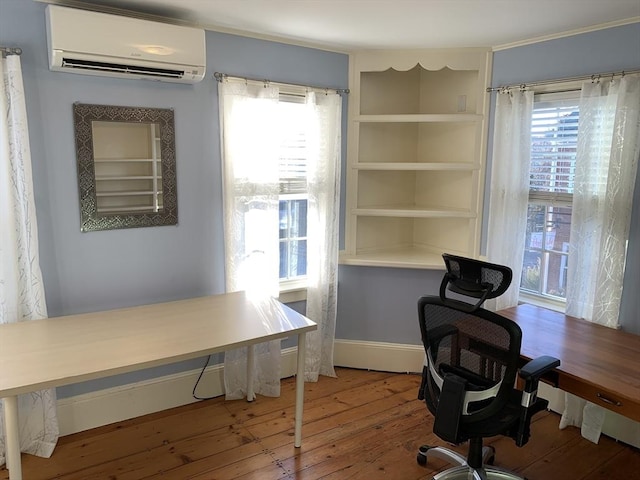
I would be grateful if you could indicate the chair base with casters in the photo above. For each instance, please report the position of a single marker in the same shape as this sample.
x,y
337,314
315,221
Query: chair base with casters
x,y
462,470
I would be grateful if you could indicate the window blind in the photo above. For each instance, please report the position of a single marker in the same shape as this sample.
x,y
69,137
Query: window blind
x,y
293,165
554,138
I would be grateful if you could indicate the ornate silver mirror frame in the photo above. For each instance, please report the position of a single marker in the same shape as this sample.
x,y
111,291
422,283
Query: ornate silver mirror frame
x,y
122,188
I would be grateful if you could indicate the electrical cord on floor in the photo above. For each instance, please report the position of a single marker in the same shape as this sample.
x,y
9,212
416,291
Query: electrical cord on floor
x,y
193,393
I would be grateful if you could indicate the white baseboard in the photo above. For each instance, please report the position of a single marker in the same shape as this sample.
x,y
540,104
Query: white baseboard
x,y
384,357
103,407
94,409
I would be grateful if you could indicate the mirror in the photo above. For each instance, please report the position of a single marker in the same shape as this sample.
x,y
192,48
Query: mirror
x,y
126,166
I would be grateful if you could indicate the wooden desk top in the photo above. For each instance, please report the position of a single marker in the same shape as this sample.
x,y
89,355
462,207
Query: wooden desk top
x,y
599,364
62,350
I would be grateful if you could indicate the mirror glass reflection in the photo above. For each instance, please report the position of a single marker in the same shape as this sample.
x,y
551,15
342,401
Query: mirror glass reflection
x,y
127,167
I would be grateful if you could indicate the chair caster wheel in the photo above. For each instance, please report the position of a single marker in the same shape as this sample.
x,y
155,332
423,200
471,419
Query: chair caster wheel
x,y
422,455
489,455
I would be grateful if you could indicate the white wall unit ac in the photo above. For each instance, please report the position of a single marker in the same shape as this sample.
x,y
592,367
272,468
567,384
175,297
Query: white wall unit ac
x,y
92,43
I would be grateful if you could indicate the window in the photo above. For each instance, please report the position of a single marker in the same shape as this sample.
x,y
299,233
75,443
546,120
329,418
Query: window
x,y
280,151
293,189
554,133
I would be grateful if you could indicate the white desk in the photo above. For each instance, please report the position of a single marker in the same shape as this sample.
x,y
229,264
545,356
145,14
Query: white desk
x,y
58,351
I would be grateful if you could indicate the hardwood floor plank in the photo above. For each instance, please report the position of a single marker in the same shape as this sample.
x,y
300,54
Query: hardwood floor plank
x,y
337,398
392,457
546,438
624,466
361,426
575,459
234,443
331,429
110,442
349,443
337,408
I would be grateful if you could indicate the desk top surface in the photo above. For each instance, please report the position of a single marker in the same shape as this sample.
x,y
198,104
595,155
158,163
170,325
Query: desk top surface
x,y
61,350
601,356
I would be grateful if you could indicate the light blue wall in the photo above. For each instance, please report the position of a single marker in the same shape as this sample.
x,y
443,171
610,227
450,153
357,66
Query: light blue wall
x,y
100,270
104,270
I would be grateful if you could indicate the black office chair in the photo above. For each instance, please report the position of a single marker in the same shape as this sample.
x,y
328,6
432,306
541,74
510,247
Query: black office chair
x,y
472,361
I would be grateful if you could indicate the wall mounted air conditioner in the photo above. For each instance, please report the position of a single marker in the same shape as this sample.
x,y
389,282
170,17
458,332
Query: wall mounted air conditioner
x,y
92,43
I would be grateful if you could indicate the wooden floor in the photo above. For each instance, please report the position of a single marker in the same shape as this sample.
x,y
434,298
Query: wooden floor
x,y
362,425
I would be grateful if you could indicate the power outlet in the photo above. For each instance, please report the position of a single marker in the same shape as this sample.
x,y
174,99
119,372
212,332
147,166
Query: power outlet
x,y
462,103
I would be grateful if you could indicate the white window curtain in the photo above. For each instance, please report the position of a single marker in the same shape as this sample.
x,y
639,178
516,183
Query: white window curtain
x,y
21,287
323,223
250,143
510,188
606,164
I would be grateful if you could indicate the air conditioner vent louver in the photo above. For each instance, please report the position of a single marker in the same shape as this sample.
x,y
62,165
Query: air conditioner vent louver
x,y
120,68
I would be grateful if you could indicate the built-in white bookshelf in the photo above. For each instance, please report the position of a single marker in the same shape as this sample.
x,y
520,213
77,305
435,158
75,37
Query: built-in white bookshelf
x,y
416,156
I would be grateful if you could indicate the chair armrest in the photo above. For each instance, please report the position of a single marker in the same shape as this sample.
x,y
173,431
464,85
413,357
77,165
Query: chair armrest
x,y
538,367
530,404
534,369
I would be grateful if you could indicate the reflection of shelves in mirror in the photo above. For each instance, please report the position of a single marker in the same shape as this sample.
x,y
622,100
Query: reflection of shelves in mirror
x,y
128,168
128,208
108,178
126,193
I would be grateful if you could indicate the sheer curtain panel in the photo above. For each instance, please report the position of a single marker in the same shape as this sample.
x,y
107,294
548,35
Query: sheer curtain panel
x,y
606,165
510,187
21,288
250,145
323,180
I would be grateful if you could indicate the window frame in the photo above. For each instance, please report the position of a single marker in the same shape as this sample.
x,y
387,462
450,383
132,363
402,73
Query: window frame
x,y
293,289
552,93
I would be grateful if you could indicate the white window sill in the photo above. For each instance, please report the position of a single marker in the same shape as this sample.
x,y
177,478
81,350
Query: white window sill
x,y
293,291
557,305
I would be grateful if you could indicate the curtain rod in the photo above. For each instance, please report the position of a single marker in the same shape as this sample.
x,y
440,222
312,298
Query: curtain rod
x,y
221,76
595,77
10,51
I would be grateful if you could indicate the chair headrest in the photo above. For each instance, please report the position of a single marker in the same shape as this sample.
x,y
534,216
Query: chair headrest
x,y
474,278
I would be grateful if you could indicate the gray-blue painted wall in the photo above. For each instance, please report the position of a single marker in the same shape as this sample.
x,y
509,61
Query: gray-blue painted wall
x,y
104,270
101,270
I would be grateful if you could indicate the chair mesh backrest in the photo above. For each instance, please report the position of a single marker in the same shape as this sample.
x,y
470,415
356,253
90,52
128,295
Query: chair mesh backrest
x,y
480,346
475,278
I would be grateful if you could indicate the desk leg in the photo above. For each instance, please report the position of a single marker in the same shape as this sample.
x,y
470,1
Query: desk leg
x,y
251,351
13,438
302,345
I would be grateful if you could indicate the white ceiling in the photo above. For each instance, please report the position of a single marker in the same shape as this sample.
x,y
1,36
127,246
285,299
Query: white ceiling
x,y
346,25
